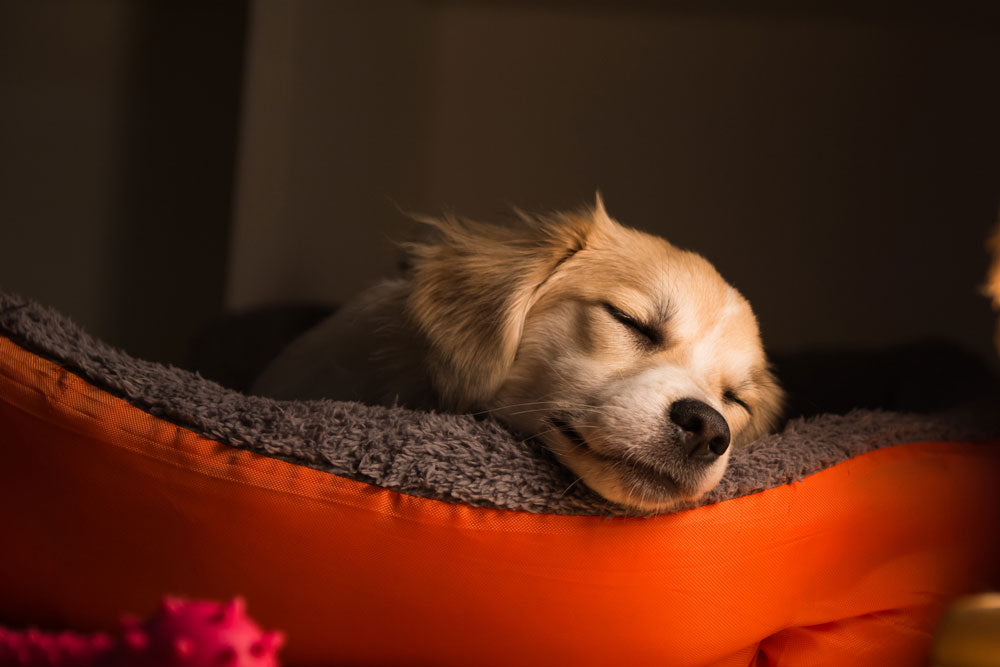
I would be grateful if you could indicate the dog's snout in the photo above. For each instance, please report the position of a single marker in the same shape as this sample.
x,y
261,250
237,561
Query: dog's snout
x,y
705,432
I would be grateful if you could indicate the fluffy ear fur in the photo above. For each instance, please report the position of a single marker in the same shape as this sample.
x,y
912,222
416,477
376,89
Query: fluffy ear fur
x,y
472,287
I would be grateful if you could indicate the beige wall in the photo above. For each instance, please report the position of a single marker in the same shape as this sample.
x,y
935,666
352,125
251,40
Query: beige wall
x,y
63,82
840,170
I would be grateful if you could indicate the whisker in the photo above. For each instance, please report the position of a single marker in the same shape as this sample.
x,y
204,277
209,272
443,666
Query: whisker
x,y
559,403
576,408
572,484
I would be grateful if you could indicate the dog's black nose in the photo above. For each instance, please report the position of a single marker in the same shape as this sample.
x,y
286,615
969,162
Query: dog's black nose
x,y
705,432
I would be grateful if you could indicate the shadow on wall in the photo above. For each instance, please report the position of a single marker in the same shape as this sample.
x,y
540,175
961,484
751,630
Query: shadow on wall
x,y
118,134
180,133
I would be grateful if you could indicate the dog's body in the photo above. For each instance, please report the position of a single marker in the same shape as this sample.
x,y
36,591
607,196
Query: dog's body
x,y
632,360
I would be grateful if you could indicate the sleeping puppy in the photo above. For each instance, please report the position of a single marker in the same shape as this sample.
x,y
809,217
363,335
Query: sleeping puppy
x,y
632,360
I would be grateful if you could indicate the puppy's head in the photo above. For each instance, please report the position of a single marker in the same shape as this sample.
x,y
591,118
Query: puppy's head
x,y
632,360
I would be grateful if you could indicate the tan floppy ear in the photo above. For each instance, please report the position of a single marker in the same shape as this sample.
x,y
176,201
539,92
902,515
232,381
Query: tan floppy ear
x,y
472,288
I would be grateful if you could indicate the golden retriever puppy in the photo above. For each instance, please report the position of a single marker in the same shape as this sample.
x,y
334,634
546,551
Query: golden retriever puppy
x,y
632,360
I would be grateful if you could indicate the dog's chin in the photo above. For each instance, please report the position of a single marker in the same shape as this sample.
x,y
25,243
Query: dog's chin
x,y
629,482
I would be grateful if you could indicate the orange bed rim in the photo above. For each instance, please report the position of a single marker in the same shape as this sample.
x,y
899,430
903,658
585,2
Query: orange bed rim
x,y
106,507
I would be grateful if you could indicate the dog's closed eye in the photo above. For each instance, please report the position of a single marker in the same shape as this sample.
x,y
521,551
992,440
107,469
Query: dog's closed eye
x,y
649,334
729,396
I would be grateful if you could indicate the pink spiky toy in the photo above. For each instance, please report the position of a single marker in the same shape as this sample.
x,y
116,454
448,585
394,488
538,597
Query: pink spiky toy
x,y
184,633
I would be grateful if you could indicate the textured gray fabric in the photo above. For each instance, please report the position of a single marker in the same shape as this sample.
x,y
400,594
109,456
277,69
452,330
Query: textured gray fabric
x,y
456,458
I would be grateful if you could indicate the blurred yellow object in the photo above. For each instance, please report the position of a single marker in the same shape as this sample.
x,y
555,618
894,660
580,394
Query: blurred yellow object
x,y
969,633
992,287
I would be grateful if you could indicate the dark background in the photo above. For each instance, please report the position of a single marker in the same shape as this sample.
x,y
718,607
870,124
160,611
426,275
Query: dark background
x,y
161,162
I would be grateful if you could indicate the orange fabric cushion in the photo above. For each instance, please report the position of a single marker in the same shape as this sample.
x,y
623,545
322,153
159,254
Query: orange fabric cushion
x,y
105,508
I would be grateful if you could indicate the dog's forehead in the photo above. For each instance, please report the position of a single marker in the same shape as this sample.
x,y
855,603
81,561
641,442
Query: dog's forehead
x,y
659,282
652,274
729,349
710,314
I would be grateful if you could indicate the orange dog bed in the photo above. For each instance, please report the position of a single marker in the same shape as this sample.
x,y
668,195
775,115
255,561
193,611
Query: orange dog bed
x,y
108,501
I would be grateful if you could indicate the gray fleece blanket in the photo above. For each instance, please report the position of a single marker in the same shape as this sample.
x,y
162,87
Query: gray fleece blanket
x,y
456,458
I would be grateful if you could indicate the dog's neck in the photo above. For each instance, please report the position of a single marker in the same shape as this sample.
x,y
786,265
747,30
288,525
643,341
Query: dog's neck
x,y
368,351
